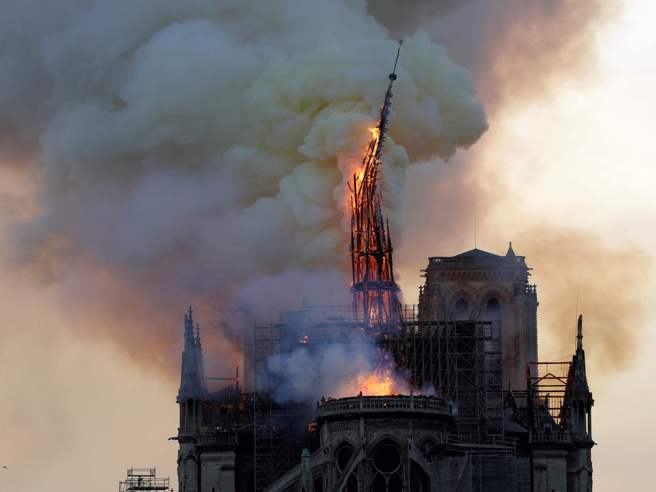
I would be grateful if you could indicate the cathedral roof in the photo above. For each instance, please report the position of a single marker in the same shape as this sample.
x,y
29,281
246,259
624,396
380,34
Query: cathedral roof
x,y
477,253
478,259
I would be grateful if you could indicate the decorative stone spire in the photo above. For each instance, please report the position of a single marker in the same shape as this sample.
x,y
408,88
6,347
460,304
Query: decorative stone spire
x,y
510,251
580,403
580,376
192,371
189,338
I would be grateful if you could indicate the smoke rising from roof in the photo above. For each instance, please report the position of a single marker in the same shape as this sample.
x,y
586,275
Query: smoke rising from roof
x,y
155,189
185,151
336,370
404,18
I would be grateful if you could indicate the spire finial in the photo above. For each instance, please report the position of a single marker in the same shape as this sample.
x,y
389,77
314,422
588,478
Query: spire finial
x,y
392,76
579,335
192,371
510,251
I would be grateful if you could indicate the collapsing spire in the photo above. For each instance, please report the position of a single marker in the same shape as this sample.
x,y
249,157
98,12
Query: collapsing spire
x,y
192,370
375,293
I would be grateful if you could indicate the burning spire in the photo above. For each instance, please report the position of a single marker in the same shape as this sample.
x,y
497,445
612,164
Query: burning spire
x,y
375,293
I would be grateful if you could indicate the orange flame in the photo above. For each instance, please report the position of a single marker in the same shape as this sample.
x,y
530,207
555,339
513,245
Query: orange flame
x,y
382,381
377,384
359,173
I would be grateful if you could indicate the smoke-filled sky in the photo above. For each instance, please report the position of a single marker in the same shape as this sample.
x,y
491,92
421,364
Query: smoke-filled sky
x,y
154,154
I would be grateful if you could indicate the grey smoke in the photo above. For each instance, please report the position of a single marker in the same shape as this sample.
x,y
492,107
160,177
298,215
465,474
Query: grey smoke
x,y
183,151
331,370
403,18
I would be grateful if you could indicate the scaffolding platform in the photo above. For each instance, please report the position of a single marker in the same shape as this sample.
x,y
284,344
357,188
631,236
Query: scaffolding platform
x,y
143,479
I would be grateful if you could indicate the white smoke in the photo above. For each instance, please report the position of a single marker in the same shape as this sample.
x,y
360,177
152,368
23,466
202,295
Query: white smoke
x,y
190,148
335,370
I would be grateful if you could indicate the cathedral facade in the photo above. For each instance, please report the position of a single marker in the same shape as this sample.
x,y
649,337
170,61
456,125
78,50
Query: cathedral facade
x,y
477,285
477,329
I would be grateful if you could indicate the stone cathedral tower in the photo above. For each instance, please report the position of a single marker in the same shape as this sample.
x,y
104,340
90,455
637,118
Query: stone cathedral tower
x,y
477,285
192,393
207,452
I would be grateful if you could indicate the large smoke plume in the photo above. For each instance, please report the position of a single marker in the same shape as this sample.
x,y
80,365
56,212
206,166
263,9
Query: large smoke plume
x,y
69,58
192,152
197,152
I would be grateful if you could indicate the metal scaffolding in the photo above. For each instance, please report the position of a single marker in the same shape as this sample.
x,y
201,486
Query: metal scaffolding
x,y
306,327
461,360
279,428
547,389
143,479
277,439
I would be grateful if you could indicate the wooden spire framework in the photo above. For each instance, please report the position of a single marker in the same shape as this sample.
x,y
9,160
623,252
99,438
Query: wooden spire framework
x,y
375,293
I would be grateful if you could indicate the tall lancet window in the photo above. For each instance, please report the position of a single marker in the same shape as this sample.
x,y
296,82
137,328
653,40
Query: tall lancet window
x,y
462,309
493,310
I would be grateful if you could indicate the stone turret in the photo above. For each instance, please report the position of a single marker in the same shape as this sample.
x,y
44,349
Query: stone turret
x,y
561,442
191,397
579,403
192,371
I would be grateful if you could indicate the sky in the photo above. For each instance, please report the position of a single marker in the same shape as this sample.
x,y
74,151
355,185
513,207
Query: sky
x,y
581,155
567,175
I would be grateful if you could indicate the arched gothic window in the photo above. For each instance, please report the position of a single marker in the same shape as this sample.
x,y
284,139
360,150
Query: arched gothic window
x,y
493,310
387,468
493,305
462,309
